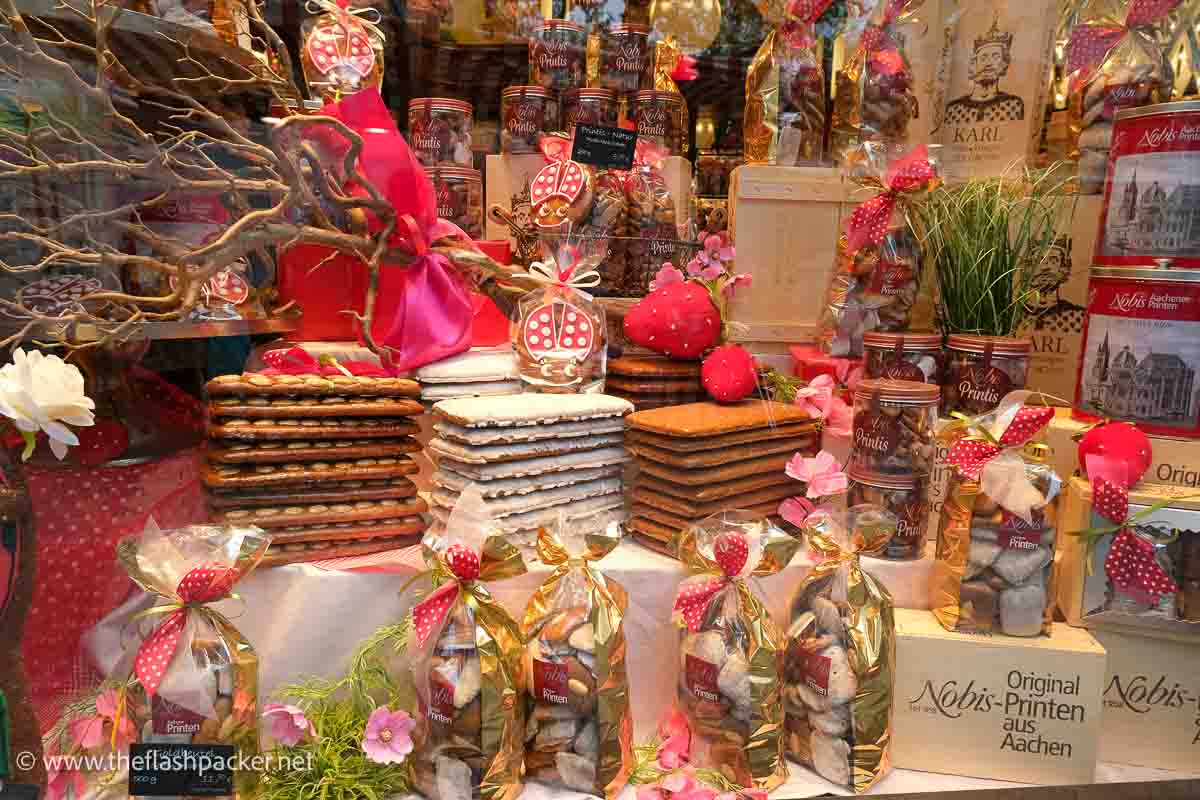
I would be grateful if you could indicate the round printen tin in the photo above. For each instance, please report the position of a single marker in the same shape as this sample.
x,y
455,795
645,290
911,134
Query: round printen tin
x,y
1141,348
1152,188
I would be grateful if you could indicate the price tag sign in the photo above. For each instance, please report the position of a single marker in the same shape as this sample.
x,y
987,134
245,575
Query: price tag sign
x,y
204,770
604,147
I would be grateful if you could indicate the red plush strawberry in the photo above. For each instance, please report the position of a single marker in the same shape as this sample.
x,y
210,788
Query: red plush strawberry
x,y
728,374
730,551
463,562
679,320
1122,441
105,440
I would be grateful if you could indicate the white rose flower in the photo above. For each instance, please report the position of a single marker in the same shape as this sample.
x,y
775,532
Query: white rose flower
x,y
41,392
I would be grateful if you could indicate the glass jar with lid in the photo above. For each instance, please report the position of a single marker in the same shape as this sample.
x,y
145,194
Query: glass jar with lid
x,y
893,426
903,356
980,370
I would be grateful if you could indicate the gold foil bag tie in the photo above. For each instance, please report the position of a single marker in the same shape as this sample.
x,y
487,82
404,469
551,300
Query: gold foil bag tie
x,y
839,665
580,731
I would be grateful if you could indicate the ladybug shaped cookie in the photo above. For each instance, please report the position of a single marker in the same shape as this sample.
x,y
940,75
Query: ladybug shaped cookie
x,y
562,190
558,341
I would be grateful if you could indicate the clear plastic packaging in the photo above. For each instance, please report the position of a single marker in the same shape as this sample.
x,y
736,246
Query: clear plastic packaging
x,y
342,51
893,428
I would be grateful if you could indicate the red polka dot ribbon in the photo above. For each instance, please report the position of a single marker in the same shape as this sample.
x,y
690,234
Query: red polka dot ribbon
x,y
971,455
868,223
1130,565
1091,43
797,30
207,583
429,613
693,598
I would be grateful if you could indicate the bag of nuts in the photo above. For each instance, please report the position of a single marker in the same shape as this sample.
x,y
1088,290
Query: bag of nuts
x,y
579,735
1116,59
995,548
839,667
729,648
466,661
877,269
190,677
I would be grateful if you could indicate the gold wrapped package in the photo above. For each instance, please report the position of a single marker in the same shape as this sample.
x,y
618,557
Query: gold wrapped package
x,y
730,649
467,668
785,90
188,675
579,734
839,668
995,545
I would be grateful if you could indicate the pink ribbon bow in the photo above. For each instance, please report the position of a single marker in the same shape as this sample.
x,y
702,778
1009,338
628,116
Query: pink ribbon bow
x,y
970,456
1130,563
206,583
1090,44
868,223
298,361
685,70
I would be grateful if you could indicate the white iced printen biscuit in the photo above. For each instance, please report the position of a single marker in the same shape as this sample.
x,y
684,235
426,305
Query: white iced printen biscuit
x,y
505,487
588,511
447,391
473,366
603,457
527,433
500,507
520,451
530,409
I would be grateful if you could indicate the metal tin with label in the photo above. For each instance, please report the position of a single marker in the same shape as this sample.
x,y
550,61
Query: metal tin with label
x,y
1141,349
1152,188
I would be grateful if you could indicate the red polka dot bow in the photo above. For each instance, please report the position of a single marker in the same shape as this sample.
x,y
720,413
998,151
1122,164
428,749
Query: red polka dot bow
x,y
797,30
1091,43
206,583
970,455
731,550
463,565
868,223
1131,565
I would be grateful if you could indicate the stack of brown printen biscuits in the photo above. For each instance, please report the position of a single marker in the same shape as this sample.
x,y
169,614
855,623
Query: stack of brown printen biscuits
x,y
703,458
654,382
321,463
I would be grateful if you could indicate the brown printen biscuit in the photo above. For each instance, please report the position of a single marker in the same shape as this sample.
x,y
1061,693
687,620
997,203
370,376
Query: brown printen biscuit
x,y
653,535
636,367
285,452
723,440
710,419
324,514
332,492
266,476
300,552
347,531
678,523
652,401
252,384
711,475
652,386
719,491
306,430
324,408
693,510
728,455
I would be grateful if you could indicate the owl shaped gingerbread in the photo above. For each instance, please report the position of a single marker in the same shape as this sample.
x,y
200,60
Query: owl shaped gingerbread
x,y
560,337
561,192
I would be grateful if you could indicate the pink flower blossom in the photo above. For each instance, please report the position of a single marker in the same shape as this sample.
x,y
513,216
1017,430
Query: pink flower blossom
x,y
796,510
678,782
711,273
814,398
676,740
736,282
650,791
288,723
60,781
92,732
666,276
695,267
712,243
839,418
822,473
698,792
754,794
388,737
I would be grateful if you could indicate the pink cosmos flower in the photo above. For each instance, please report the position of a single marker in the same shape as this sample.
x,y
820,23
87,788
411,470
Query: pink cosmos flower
x,y
822,473
796,510
388,738
666,276
288,723
736,282
712,272
676,740
650,791
814,398
92,732
60,781
839,418
716,247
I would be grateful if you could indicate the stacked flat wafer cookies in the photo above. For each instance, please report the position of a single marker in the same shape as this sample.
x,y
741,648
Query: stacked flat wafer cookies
x,y
532,456
321,463
654,382
476,373
701,458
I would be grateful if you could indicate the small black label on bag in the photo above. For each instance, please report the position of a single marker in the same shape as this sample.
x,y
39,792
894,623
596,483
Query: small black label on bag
x,y
604,147
19,791
174,769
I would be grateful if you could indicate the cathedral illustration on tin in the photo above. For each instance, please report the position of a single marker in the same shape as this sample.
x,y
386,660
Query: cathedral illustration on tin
x,y
1151,214
1130,380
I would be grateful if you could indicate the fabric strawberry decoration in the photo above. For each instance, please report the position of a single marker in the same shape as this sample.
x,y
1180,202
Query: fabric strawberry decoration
x,y
678,320
463,562
105,440
1122,441
729,374
730,551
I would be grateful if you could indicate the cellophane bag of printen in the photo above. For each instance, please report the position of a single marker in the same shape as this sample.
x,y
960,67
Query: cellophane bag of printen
x,y
839,668
729,648
465,652
579,734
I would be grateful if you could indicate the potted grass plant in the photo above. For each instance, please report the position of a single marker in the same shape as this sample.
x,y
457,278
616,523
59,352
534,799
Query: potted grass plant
x,y
986,240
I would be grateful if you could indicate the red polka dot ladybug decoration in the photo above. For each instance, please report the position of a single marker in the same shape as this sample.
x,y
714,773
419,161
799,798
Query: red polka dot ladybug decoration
x,y
343,50
561,192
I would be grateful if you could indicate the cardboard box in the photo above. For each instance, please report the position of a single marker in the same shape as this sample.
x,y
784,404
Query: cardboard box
x,y
1175,461
992,706
1083,598
996,100
1151,702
